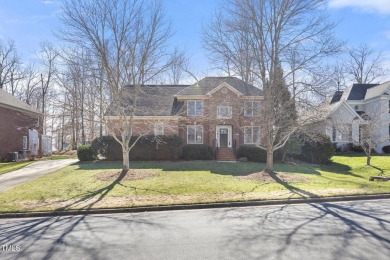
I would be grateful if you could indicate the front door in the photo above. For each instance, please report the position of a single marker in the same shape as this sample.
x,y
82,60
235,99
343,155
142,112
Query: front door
x,y
223,137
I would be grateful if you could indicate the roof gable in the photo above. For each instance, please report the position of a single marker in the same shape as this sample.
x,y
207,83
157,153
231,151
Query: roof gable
x,y
9,101
378,90
224,85
343,104
208,84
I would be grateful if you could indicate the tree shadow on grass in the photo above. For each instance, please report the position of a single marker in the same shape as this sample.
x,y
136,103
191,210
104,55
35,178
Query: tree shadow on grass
x,y
339,168
222,168
90,199
294,190
377,168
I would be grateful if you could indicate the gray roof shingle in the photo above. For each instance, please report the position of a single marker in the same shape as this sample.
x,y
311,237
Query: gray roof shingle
x,y
152,100
207,84
12,102
358,91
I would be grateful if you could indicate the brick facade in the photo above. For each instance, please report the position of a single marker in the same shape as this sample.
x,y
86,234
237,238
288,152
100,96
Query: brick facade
x,y
167,105
209,120
14,124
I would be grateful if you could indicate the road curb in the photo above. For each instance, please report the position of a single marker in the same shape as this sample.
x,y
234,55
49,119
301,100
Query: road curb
x,y
192,206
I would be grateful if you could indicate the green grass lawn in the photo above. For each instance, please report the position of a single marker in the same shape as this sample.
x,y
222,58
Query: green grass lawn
x,y
60,157
12,166
76,186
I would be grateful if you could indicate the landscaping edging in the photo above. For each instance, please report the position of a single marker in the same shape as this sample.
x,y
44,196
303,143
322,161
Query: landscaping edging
x,y
192,206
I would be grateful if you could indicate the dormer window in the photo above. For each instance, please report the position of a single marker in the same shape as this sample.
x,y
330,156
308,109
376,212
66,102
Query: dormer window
x,y
195,108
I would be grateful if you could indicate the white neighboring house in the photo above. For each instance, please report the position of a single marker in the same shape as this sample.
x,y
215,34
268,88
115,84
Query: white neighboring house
x,y
359,105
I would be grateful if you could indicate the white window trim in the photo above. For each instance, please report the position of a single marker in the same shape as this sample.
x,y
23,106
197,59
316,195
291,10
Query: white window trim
x,y
25,144
252,105
188,126
156,126
245,127
229,112
195,101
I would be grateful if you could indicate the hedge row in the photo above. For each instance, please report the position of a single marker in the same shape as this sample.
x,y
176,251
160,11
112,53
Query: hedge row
x,y
146,148
197,152
319,151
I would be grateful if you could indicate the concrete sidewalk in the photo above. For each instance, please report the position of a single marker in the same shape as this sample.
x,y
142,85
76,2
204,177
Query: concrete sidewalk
x,y
30,172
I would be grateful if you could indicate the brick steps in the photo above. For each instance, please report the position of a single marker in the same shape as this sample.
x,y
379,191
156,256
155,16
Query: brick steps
x,y
226,154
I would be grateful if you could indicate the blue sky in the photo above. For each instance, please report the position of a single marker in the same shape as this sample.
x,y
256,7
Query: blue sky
x,y
28,22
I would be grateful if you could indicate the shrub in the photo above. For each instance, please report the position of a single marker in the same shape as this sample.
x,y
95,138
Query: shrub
x,y
386,149
108,147
197,152
357,149
147,148
320,150
292,148
86,153
252,153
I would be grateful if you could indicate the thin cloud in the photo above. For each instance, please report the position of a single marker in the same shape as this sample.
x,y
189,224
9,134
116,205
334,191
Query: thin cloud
x,y
386,34
47,2
372,6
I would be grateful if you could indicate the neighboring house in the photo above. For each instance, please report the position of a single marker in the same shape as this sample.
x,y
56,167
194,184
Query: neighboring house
x,y
20,128
222,112
357,106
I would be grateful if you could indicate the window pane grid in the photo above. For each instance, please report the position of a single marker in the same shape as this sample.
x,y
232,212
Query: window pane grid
x,y
195,134
251,134
252,108
195,108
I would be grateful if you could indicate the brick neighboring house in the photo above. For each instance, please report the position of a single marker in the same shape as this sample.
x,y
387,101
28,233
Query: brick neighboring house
x,y
20,127
222,112
356,106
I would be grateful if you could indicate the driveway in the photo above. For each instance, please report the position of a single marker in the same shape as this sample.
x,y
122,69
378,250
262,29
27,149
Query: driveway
x,y
32,171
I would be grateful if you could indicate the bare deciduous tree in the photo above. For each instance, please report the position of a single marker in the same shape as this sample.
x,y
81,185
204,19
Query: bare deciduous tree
x,y
47,57
272,30
29,90
10,71
129,40
364,65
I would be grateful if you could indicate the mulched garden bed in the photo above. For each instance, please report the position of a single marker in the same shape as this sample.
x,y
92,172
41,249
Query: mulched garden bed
x,y
266,177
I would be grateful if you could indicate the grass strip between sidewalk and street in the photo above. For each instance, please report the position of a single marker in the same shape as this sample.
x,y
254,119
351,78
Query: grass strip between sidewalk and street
x,y
101,185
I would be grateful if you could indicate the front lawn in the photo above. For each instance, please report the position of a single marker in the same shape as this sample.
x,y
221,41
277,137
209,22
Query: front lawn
x,y
12,166
60,157
99,185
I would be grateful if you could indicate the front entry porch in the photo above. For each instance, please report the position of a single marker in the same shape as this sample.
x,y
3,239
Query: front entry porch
x,y
224,136
224,143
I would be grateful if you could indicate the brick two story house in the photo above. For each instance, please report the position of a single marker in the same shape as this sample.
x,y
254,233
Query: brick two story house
x,y
222,112
20,127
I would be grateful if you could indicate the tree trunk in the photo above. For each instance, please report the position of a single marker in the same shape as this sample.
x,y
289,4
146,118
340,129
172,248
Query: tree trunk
x,y
126,161
368,159
270,160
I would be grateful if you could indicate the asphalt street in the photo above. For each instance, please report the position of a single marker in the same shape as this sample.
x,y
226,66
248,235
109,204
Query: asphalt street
x,y
37,169
344,230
